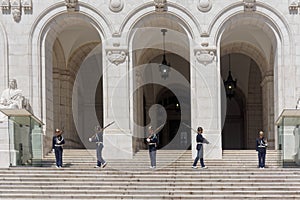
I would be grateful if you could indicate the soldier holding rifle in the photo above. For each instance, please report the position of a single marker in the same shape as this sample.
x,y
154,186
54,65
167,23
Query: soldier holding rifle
x,y
200,141
152,143
98,139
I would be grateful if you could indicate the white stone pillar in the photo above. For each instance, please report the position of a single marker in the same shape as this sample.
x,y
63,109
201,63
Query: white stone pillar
x,y
267,85
117,138
4,145
206,101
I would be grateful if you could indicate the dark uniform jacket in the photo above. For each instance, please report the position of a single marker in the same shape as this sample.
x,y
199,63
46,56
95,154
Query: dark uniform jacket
x,y
153,142
261,145
200,139
57,141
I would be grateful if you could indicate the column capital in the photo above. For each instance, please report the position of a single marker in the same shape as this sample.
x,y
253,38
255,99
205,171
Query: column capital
x,y
267,78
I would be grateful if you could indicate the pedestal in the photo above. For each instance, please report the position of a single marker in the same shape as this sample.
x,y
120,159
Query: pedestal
x,y
4,145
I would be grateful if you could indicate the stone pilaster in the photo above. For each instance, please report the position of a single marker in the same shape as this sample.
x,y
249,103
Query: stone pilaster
x,y
4,145
118,139
267,85
206,97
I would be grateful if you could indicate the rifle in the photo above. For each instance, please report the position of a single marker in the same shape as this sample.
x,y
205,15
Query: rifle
x,y
111,123
156,130
204,140
190,127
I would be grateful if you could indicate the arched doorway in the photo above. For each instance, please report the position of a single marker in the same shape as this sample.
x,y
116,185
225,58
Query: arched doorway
x,y
73,43
147,45
244,111
258,43
178,137
234,131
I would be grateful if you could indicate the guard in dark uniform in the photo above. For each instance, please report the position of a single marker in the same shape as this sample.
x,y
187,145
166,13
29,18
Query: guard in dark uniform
x,y
261,148
152,143
200,141
98,139
57,147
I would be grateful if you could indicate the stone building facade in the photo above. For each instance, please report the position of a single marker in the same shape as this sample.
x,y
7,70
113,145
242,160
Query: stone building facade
x,y
76,61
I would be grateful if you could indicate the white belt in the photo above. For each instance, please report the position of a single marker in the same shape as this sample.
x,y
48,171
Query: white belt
x,y
152,143
58,145
200,143
260,146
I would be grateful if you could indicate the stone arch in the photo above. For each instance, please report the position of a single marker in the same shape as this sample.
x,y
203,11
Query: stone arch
x,y
37,36
42,37
143,54
183,16
279,59
267,14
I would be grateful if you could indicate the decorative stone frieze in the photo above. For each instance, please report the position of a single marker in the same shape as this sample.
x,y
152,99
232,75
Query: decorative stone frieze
x,y
160,5
249,5
72,5
294,7
5,5
116,5
15,7
204,5
116,56
27,4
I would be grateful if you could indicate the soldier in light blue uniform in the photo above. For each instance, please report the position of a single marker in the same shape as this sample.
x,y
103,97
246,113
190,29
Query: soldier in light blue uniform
x,y
98,139
57,147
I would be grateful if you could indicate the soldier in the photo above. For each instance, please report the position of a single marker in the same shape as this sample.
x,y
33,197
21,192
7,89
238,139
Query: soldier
x,y
200,141
57,147
98,138
261,146
152,143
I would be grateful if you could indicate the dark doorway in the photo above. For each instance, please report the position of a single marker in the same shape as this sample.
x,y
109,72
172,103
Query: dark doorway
x,y
233,133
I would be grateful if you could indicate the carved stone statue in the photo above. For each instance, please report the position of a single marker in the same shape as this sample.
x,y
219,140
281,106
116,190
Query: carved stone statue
x,y
12,98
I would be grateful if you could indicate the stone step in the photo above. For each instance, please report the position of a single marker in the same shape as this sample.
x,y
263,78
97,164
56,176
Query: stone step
x,y
234,177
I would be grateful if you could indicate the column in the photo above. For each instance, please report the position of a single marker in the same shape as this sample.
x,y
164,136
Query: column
x,y
4,145
206,100
118,139
267,85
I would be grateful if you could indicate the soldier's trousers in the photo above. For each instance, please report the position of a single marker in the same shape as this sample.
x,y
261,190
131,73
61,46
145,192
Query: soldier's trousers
x,y
58,156
261,158
100,160
153,158
199,156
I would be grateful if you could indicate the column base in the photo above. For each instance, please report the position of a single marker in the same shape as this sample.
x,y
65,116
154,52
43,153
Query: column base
x,y
117,145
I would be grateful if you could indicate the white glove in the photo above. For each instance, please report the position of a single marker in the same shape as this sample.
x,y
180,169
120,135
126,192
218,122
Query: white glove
x,y
53,150
90,139
148,140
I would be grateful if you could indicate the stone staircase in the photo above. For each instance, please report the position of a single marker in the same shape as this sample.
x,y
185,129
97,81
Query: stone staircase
x,y
234,177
